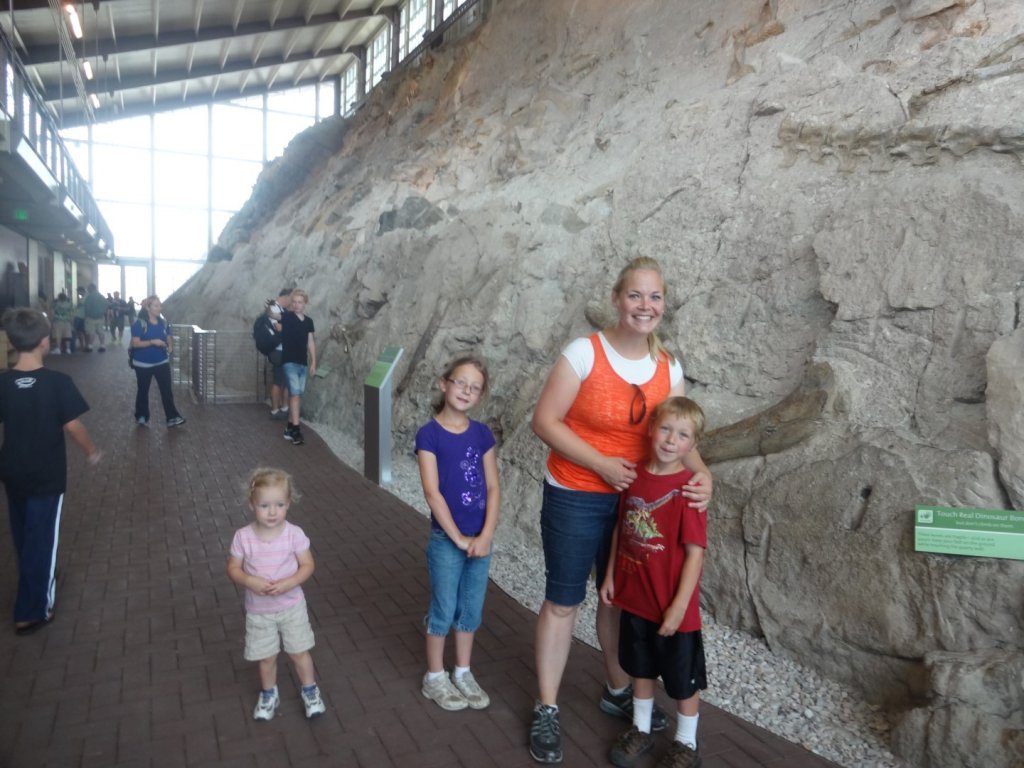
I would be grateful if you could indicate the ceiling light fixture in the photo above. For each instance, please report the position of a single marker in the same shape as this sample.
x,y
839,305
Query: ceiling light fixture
x,y
76,25
87,68
94,100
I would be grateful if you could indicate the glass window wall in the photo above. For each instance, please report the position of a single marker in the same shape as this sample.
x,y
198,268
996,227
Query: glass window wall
x,y
181,233
415,22
377,61
349,87
168,183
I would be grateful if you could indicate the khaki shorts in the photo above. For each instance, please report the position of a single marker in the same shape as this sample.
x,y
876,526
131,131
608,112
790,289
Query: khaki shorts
x,y
265,631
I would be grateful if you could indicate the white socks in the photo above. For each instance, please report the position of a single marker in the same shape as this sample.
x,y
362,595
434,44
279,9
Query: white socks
x,y
642,710
686,730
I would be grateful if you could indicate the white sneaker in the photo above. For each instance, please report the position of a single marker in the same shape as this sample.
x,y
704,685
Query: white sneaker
x,y
471,690
443,693
313,703
266,705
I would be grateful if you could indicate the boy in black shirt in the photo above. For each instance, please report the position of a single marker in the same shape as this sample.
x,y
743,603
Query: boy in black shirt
x,y
298,358
37,408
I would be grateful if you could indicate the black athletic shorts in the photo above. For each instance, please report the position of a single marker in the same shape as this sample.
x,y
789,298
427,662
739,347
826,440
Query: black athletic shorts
x,y
678,659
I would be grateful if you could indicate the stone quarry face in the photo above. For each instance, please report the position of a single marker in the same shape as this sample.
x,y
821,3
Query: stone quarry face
x,y
836,195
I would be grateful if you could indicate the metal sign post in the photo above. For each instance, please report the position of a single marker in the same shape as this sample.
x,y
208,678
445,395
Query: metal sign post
x,y
377,417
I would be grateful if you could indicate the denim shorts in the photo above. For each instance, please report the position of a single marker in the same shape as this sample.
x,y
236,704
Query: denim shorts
x,y
458,586
295,374
576,529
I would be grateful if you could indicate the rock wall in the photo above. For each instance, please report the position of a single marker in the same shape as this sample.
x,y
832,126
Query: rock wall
x,y
835,191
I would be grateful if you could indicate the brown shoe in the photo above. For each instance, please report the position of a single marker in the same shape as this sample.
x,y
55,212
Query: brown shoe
x,y
680,756
631,746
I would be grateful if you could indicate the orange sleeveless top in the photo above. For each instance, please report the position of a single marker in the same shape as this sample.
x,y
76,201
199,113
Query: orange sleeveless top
x,y
600,415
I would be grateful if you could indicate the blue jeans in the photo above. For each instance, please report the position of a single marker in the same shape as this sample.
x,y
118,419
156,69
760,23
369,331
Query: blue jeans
x,y
576,529
295,374
458,586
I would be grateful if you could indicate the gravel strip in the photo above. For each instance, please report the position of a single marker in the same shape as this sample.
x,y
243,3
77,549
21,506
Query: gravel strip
x,y
745,678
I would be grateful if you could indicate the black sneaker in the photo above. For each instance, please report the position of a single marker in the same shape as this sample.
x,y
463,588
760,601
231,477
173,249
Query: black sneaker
x,y
297,437
289,432
545,735
630,747
621,705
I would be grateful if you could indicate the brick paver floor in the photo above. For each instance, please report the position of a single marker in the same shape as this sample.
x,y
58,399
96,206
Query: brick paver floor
x,y
143,665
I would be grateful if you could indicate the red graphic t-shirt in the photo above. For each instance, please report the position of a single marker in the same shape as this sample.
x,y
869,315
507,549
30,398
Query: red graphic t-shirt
x,y
655,522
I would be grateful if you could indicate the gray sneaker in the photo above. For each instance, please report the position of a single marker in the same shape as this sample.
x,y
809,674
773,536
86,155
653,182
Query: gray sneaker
x,y
621,705
266,705
472,691
545,735
444,694
312,701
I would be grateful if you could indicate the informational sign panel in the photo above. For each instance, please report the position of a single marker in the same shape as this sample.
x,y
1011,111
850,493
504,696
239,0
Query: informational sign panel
x,y
377,417
964,531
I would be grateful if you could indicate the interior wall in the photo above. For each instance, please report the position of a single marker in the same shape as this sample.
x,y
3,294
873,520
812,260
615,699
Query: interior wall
x,y
14,277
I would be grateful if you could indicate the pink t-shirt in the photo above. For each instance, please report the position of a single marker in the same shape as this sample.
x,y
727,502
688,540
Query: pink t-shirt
x,y
273,560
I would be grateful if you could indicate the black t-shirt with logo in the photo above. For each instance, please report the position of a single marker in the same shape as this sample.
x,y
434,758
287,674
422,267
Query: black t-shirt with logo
x,y
34,407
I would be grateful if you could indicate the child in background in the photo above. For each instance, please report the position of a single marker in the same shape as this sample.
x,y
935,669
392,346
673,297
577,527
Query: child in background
x,y
459,472
38,407
299,358
279,387
654,577
270,557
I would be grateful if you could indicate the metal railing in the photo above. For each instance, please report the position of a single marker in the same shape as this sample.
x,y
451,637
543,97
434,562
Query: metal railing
x,y
21,103
218,367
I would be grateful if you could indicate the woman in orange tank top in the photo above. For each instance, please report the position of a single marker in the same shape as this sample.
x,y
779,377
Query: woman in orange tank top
x,y
592,414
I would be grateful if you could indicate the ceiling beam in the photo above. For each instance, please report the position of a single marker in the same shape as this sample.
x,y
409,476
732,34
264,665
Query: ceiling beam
x,y
47,55
173,75
76,119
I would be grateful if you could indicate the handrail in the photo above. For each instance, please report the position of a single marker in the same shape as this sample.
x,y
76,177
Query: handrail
x,y
27,109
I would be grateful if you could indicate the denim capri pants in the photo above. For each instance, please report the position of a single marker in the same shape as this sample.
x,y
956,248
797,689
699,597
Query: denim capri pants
x,y
576,529
458,586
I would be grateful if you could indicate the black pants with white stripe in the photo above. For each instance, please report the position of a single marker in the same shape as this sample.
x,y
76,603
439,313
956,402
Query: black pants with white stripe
x,y
35,522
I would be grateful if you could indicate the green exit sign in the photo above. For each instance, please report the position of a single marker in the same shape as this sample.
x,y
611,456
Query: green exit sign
x,y
20,214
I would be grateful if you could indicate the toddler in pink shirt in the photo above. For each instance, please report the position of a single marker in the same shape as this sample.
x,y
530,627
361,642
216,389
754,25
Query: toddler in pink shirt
x,y
270,557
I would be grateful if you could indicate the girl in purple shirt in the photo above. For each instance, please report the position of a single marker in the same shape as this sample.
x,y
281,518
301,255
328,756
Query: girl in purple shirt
x,y
459,472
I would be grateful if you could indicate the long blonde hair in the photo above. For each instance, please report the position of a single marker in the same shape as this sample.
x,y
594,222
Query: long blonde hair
x,y
639,264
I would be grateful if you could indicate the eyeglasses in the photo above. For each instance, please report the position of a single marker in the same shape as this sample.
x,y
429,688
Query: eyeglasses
x,y
476,389
637,406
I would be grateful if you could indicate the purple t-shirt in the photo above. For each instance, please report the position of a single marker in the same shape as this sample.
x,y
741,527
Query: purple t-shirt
x,y
460,471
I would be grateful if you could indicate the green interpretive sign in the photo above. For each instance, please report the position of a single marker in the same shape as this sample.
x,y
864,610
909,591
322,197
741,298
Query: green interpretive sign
x,y
385,361
964,531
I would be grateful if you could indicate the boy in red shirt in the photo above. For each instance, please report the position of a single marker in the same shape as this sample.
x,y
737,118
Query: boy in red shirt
x,y
654,577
